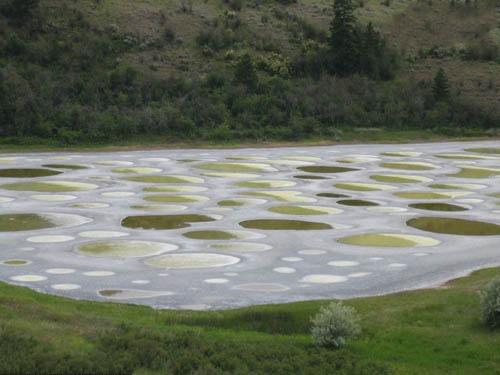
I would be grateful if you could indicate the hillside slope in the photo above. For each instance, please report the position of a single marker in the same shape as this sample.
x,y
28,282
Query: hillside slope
x,y
429,34
95,70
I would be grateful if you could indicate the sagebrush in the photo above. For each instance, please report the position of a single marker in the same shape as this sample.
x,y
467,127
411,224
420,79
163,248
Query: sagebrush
x,y
334,325
490,304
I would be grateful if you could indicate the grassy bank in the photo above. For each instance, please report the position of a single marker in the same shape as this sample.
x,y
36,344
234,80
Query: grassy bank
x,y
369,135
432,331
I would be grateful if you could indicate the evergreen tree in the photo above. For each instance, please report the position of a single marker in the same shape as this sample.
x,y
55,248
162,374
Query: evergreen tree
x,y
357,49
440,87
344,39
371,47
245,72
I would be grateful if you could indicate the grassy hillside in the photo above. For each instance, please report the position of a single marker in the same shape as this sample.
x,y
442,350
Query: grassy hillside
x,y
95,71
428,33
434,331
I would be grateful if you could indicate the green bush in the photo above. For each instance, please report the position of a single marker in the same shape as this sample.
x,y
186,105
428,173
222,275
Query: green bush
x,y
482,50
217,38
490,304
334,325
244,72
20,9
169,34
235,5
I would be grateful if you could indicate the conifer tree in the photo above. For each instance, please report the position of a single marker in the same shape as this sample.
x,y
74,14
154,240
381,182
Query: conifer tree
x,y
440,86
344,39
371,52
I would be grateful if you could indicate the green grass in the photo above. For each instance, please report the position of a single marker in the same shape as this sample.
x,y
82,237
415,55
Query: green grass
x,y
371,135
430,331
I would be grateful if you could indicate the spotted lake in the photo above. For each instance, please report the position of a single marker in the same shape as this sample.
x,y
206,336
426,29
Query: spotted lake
x,y
206,229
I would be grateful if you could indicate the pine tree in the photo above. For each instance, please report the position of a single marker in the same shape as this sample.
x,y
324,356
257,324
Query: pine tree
x,y
344,39
440,87
371,52
245,72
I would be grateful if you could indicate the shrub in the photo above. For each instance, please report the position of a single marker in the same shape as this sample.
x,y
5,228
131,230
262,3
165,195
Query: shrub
x,y
235,5
20,9
186,6
14,46
244,72
334,325
490,304
482,50
217,38
169,34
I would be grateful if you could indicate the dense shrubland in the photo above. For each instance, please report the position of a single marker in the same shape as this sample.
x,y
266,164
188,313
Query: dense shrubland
x,y
125,349
120,104
71,86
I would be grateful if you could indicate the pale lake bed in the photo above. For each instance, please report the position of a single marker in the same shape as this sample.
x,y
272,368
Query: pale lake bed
x,y
212,229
